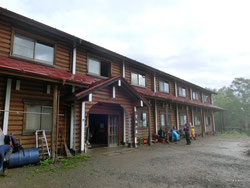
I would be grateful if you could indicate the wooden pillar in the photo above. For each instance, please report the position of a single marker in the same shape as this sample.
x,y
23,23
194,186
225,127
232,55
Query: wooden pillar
x,y
57,119
149,128
223,123
177,117
54,127
213,122
202,123
156,118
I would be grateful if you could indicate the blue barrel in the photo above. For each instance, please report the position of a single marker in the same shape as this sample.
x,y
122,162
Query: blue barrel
x,y
30,156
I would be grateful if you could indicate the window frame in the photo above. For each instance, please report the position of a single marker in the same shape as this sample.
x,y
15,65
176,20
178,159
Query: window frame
x,y
38,103
181,94
195,119
140,122
207,121
164,115
36,39
109,64
196,94
183,114
205,98
138,80
163,82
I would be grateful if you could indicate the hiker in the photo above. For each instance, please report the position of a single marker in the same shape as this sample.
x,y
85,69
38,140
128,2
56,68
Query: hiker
x,y
162,135
175,137
187,133
5,152
192,131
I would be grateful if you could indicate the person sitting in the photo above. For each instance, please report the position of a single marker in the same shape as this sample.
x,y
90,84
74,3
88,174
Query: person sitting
x,y
162,135
175,137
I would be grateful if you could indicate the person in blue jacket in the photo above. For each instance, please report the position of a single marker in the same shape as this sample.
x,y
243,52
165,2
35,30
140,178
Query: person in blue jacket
x,y
175,136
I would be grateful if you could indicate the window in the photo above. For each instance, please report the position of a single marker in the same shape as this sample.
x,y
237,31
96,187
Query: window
x,y
163,120
33,49
208,121
138,79
195,95
38,117
183,119
206,98
182,92
163,87
99,68
197,119
169,120
142,123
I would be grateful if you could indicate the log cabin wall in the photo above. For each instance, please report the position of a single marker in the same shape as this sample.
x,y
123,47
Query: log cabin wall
x,y
198,128
3,82
35,91
63,51
5,37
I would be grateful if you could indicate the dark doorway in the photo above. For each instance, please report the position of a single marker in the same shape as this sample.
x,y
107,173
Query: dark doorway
x,y
98,130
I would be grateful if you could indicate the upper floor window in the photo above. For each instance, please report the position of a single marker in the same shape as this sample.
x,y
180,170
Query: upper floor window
x,y
169,120
195,95
206,98
138,79
33,49
183,118
182,92
163,86
99,68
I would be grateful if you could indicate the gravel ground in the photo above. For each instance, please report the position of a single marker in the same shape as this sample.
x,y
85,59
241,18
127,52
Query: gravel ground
x,y
213,161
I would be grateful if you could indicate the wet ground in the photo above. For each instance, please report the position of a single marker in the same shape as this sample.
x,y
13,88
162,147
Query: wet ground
x,y
213,161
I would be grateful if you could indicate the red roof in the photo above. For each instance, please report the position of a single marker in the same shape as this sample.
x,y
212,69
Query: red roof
x,y
43,71
165,96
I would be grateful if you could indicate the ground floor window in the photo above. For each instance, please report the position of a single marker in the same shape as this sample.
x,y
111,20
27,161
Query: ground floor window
x,y
197,119
142,120
183,119
163,120
169,120
208,121
38,117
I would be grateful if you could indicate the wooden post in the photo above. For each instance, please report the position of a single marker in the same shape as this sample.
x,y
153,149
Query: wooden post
x,y
57,120
149,128
156,118
202,124
54,115
223,124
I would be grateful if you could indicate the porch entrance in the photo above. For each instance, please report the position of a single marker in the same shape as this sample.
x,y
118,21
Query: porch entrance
x,y
103,130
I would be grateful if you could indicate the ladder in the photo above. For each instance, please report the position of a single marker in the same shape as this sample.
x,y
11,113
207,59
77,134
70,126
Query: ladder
x,y
42,143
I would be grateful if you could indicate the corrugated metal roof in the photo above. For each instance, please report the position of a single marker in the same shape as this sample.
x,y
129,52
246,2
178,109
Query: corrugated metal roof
x,y
43,71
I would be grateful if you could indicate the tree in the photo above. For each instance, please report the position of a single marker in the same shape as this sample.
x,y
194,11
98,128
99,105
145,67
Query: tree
x,y
241,89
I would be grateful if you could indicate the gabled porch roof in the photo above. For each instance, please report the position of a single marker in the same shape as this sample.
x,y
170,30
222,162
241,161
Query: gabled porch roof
x,y
104,83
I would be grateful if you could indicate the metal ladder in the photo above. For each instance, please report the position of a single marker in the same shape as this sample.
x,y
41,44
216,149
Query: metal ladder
x,y
41,137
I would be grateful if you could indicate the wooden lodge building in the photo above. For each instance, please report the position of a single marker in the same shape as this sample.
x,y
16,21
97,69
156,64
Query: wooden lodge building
x,y
80,92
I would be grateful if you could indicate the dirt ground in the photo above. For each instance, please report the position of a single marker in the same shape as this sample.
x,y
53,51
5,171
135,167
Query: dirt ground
x,y
213,161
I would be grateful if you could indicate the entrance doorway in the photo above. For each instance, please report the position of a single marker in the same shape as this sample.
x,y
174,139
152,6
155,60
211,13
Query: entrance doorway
x,y
103,130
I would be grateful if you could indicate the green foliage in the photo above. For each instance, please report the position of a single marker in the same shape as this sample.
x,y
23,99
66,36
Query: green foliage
x,y
236,102
48,165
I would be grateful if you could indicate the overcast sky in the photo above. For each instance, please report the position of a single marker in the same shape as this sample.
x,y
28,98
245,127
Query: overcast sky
x,y
206,42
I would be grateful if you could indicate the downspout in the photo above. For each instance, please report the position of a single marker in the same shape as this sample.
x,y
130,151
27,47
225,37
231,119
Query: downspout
x,y
54,127
156,118
177,116
149,128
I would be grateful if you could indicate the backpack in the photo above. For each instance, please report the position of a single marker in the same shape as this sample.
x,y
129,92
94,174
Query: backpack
x,y
8,139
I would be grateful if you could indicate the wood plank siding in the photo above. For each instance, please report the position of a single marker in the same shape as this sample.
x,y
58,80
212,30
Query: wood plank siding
x,y
2,99
5,37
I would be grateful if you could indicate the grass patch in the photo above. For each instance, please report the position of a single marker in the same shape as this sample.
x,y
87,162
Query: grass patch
x,y
233,133
48,165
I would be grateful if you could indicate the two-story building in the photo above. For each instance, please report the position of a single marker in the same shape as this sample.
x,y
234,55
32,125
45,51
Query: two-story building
x,y
82,93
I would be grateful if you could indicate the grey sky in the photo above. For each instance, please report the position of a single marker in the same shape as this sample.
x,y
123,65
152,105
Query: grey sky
x,y
206,42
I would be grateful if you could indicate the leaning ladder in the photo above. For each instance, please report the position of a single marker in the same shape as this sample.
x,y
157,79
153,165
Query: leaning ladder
x,y
41,142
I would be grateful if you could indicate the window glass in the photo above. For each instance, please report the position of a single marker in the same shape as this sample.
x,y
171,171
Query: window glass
x,y
94,66
46,122
44,53
23,46
197,119
195,95
144,119
182,91
134,79
33,117
183,118
163,120
164,86
142,81
169,120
